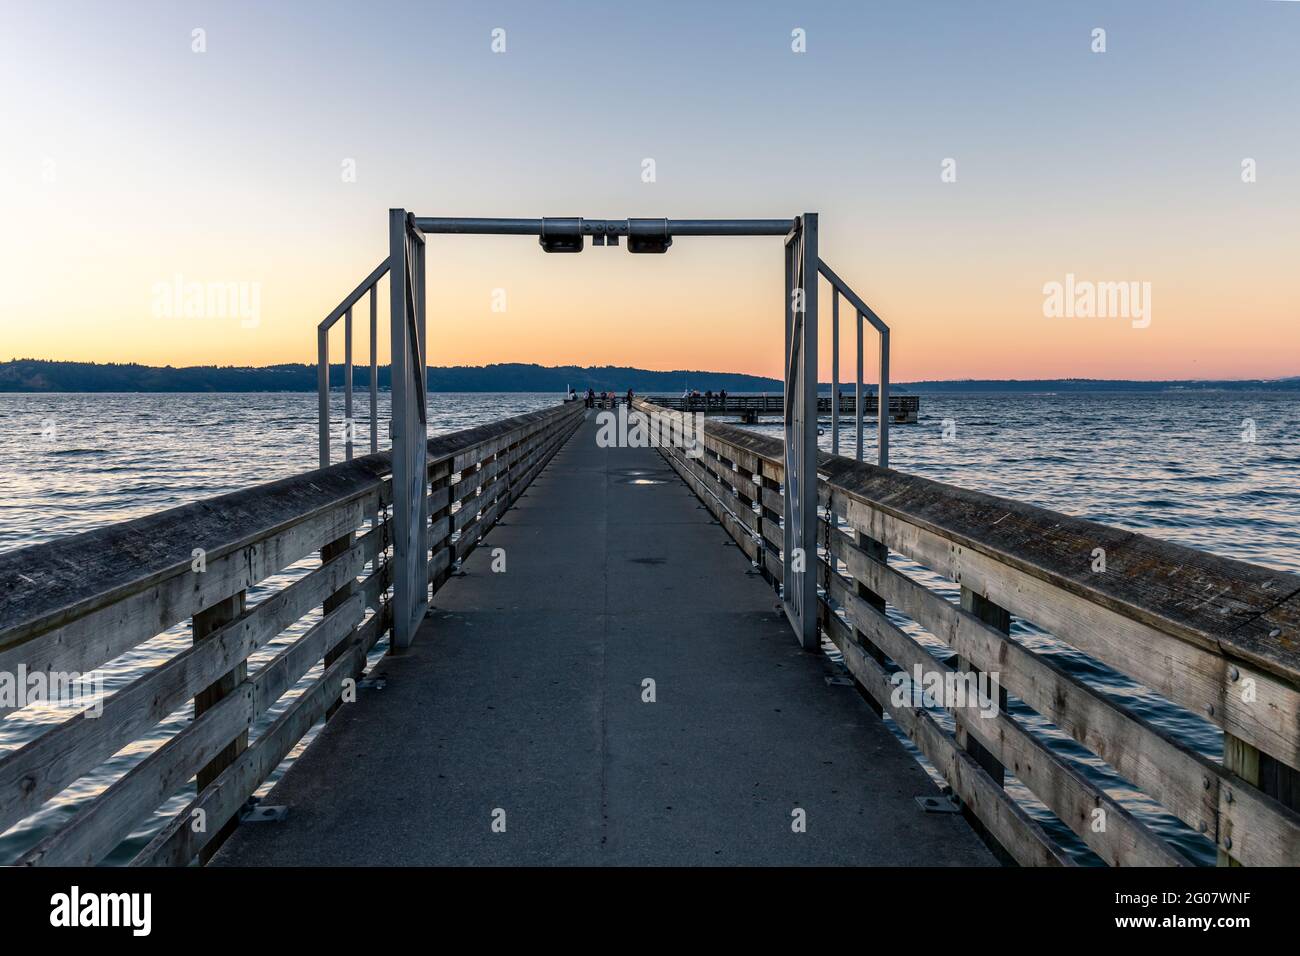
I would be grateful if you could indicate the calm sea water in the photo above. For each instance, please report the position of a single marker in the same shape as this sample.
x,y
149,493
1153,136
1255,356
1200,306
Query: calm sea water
x,y
1172,465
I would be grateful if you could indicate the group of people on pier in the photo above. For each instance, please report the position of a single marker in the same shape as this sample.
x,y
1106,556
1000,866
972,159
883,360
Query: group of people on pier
x,y
694,399
604,399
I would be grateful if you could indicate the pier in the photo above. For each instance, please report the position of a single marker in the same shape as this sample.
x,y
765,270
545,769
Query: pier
x,y
903,409
524,690
611,702
520,643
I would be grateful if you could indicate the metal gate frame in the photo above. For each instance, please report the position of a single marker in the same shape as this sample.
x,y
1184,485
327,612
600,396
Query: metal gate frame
x,y
409,426
799,493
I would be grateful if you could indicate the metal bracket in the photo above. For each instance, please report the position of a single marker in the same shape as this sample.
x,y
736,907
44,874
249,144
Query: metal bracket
x,y
561,235
648,235
263,814
940,804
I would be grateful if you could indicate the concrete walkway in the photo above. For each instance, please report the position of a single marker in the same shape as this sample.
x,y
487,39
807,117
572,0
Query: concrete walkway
x,y
523,694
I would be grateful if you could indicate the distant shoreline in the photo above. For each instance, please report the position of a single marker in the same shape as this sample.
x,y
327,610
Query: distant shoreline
x,y
36,376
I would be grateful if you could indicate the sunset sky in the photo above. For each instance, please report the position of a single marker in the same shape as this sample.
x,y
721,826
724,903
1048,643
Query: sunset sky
x,y
127,160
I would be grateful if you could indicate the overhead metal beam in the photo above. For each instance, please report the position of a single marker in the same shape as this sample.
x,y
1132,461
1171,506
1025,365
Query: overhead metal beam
x,y
534,227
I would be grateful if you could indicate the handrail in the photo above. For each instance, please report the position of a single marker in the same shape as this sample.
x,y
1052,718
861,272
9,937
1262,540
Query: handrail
x,y
1217,636
77,603
840,287
854,299
344,310
353,297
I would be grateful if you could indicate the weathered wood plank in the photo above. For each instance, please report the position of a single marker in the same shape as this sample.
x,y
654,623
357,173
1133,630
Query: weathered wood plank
x,y
998,619
104,822
206,623
701,483
1206,600
50,584
42,768
86,642
521,475
178,842
1183,671
1187,784
1013,828
1122,841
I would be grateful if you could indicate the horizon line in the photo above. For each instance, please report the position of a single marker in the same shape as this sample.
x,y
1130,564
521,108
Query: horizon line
x,y
359,367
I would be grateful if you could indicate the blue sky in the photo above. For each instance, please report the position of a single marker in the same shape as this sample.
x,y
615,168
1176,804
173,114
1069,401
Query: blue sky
x,y
226,164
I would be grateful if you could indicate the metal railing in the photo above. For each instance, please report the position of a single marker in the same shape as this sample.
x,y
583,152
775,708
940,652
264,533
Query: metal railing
x,y
840,287
344,311
405,267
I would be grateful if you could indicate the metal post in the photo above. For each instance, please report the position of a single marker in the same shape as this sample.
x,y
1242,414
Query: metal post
x,y
323,394
883,429
409,446
835,370
799,537
399,386
348,426
374,374
421,393
809,637
858,408
788,411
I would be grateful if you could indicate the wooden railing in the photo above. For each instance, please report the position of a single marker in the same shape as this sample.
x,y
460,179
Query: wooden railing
x,y
1218,637
77,603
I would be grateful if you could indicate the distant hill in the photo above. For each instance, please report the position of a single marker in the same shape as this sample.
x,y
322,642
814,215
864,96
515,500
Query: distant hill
x,y
38,375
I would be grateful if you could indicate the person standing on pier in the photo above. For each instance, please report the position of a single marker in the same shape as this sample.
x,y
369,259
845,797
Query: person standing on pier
x,y
629,398
722,399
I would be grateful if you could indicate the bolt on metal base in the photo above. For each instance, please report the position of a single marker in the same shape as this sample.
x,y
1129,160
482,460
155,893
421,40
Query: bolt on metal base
x,y
263,814
931,804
